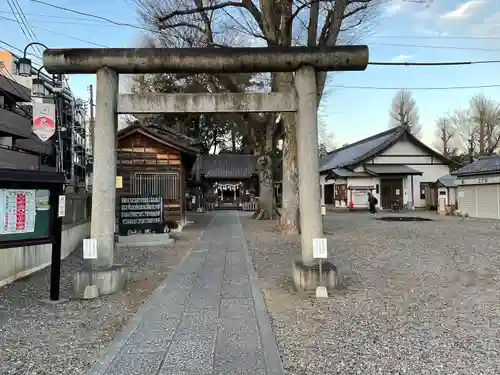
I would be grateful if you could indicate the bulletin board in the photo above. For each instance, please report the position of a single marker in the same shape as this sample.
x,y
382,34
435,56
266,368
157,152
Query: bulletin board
x,y
24,214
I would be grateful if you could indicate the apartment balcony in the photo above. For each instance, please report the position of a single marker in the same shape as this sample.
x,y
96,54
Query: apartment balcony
x,y
13,158
15,122
14,89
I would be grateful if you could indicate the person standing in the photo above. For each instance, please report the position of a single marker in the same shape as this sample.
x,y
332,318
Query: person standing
x,y
372,202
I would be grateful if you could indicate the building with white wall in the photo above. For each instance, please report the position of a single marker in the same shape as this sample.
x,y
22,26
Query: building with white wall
x,y
478,188
395,166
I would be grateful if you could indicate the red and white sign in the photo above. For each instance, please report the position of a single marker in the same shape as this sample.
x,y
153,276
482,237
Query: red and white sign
x,y
19,210
44,124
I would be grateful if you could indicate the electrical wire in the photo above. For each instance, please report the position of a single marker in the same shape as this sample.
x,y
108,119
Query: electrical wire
x,y
119,24
451,63
123,24
63,35
90,15
442,63
416,88
26,35
20,50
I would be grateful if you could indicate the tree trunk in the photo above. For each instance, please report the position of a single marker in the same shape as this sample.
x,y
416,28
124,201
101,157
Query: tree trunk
x,y
267,208
290,219
289,223
233,140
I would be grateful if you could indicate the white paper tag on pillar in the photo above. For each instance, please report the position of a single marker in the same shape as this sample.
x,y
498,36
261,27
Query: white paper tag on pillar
x,y
61,208
319,248
89,248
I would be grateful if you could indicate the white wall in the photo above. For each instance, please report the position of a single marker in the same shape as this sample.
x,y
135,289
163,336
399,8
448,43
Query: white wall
x,y
415,158
19,262
360,198
408,153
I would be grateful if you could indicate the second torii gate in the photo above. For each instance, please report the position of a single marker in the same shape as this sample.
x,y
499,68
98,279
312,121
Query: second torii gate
x,y
109,63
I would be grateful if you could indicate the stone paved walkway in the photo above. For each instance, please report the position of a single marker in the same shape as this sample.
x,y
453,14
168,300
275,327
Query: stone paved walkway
x,y
208,317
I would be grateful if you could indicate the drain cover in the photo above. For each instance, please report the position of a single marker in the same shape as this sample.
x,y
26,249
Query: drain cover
x,y
404,218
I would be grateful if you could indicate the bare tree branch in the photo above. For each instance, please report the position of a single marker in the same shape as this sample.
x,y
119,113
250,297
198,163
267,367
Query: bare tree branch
x,y
445,136
404,112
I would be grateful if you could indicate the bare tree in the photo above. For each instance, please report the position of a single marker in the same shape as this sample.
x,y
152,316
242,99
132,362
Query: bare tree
x,y
325,140
478,126
276,23
404,112
445,136
485,117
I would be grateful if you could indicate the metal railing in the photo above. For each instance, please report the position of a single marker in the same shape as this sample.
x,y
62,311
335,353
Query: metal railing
x,y
24,111
15,158
165,185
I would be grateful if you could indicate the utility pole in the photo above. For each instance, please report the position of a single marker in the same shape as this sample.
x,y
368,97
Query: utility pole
x,y
91,103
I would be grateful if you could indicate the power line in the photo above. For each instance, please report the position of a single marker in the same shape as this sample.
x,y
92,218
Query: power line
x,y
443,63
380,44
436,47
88,15
416,88
118,23
19,49
63,35
433,37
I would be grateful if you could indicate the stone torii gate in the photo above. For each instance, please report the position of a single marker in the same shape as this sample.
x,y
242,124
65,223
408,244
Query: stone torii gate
x,y
109,63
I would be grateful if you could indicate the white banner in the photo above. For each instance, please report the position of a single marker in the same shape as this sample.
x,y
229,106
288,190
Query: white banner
x,y
44,120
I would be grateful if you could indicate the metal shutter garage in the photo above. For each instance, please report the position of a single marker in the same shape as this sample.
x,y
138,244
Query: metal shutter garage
x,y
487,201
467,200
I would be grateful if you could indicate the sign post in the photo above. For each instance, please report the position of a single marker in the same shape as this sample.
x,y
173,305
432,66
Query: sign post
x,y
320,252
90,253
44,123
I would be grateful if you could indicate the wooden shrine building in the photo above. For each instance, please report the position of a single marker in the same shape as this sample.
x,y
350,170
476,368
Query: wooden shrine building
x,y
231,178
156,161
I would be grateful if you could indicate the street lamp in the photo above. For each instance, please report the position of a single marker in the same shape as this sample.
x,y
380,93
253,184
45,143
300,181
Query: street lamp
x,y
38,88
25,63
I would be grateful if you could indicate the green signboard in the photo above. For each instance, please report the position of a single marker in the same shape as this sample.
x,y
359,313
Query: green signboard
x,y
24,214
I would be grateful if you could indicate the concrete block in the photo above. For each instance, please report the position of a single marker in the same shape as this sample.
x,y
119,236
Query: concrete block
x,y
239,289
306,278
238,330
206,302
135,364
237,308
239,360
90,292
145,239
108,281
184,355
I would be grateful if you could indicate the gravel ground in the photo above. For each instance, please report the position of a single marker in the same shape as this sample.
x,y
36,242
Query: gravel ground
x,y
69,338
420,297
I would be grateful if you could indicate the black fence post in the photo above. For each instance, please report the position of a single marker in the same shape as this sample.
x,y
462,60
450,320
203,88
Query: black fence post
x,y
55,268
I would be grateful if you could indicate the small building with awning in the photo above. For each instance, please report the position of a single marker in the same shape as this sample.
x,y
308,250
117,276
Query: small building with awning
x,y
478,188
395,166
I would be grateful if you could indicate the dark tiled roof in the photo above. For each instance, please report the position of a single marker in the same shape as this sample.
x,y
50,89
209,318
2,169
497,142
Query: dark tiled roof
x,y
391,169
447,181
168,135
358,151
236,166
178,137
483,165
341,172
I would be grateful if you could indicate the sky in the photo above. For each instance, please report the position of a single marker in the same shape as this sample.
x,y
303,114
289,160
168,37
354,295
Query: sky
x,y
358,103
